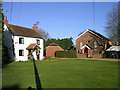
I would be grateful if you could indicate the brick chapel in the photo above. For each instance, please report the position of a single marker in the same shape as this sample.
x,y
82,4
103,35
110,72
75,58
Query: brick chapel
x,y
91,44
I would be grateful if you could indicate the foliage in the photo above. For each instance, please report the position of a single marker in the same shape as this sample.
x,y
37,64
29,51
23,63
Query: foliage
x,y
63,43
111,54
66,54
1,30
5,56
0,17
3,49
43,34
72,48
113,24
119,23
62,73
1,24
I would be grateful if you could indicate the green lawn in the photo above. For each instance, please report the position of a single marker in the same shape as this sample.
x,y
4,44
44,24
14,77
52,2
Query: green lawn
x,y
62,73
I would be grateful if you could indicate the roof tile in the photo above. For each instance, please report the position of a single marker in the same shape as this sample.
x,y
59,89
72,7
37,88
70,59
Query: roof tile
x,y
18,30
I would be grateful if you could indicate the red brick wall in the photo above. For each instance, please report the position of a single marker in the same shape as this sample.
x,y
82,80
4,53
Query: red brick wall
x,y
92,38
90,53
50,51
97,55
81,55
84,38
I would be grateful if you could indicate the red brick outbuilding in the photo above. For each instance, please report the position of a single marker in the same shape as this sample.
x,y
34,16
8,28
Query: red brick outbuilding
x,y
51,49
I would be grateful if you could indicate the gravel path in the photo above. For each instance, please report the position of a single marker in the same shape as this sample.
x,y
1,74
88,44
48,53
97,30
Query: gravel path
x,y
102,59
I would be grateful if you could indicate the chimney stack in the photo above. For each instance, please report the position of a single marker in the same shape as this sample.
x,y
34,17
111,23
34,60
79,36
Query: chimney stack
x,y
5,20
35,27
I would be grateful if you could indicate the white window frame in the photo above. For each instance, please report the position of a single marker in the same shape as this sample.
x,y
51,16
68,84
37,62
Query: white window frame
x,y
38,42
22,40
22,52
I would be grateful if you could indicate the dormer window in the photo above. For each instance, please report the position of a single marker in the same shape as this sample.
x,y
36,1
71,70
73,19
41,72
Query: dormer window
x,y
21,40
38,42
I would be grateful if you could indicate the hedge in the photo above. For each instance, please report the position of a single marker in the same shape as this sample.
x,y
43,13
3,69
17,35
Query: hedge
x,y
111,54
66,54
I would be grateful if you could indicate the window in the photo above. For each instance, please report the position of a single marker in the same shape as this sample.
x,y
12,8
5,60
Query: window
x,y
21,40
95,44
21,52
81,44
80,51
38,42
88,41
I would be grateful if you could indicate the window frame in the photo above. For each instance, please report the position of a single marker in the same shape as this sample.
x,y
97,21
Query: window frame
x,y
81,45
95,44
21,40
38,41
22,52
80,51
88,41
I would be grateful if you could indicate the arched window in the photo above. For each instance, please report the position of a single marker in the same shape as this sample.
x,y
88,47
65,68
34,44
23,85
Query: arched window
x,y
81,44
95,44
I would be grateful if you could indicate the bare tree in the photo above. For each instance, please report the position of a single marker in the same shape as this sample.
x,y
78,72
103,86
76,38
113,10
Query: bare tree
x,y
113,27
43,34
119,22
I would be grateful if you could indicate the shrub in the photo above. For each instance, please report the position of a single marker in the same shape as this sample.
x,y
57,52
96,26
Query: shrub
x,y
5,56
66,54
111,54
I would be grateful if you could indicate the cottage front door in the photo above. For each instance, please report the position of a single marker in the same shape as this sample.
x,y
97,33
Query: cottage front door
x,y
30,54
38,54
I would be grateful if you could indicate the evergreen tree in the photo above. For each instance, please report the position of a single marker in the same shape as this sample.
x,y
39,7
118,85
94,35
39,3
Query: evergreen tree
x,y
3,50
63,43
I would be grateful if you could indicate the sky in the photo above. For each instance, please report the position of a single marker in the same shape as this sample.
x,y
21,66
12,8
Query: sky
x,y
60,19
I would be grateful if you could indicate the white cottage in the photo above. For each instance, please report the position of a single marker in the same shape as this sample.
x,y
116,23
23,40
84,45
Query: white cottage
x,y
23,43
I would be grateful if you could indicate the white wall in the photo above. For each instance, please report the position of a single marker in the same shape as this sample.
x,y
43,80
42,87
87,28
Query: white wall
x,y
27,41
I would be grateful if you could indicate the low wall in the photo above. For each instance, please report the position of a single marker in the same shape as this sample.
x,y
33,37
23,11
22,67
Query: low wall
x,y
97,56
81,55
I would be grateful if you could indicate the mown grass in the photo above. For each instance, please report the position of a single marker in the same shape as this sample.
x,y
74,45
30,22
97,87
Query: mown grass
x,y
62,73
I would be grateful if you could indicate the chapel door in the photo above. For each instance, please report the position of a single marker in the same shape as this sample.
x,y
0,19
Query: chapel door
x,y
86,51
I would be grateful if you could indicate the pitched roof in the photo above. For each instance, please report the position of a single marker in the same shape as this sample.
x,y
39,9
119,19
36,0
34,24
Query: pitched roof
x,y
88,46
93,32
23,31
99,34
53,44
32,46
114,48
